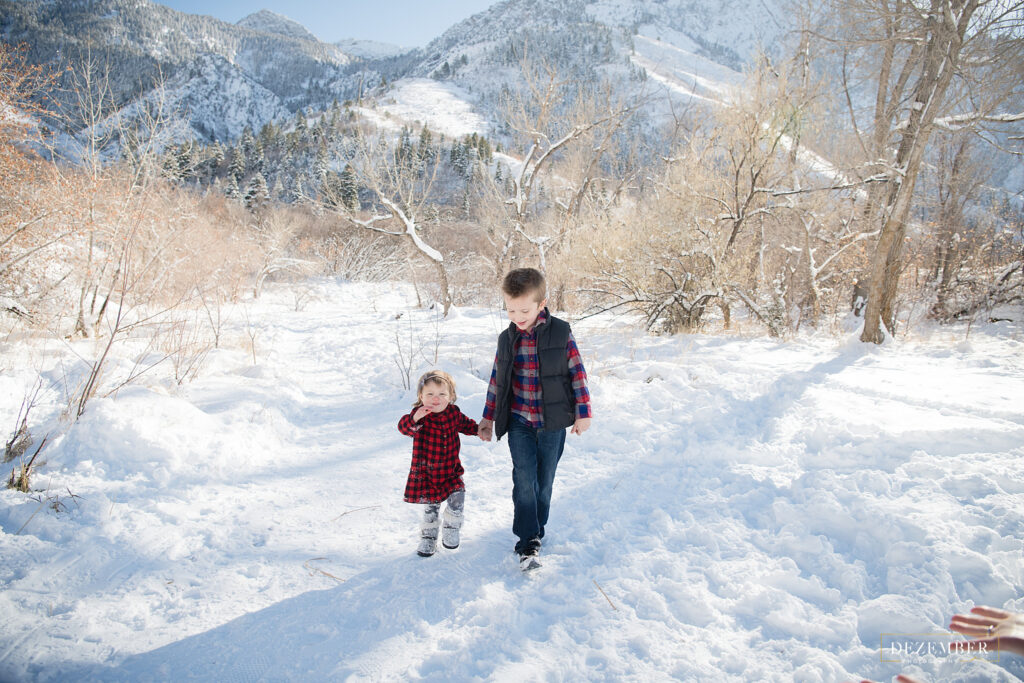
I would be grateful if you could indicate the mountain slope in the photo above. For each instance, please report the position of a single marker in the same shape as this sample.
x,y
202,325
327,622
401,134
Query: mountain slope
x,y
275,66
271,22
143,43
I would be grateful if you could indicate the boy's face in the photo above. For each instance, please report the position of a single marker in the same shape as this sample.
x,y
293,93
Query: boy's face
x,y
435,396
523,310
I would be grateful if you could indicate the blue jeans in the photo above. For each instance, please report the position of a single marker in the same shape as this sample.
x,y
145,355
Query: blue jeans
x,y
535,456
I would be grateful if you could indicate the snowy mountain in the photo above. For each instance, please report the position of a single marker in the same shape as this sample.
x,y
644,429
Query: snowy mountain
x,y
220,100
370,49
277,65
726,31
282,64
271,22
667,49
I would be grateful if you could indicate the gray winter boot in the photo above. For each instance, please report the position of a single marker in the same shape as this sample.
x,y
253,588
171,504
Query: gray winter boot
x,y
452,520
428,531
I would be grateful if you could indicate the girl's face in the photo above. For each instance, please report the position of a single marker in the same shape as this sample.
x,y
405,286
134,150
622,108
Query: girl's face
x,y
435,396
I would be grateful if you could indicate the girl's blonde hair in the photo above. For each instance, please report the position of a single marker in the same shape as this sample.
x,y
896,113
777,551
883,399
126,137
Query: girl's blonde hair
x,y
434,377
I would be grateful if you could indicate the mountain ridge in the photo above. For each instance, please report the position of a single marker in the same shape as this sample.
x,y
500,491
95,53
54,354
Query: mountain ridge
x,y
589,40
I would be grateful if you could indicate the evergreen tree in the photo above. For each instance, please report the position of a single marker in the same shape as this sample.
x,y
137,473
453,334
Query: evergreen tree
x,y
301,126
215,159
458,158
404,151
238,165
347,189
257,161
248,142
467,205
268,136
232,192
169,165
484,149
322,165
298,191
256,192
425,150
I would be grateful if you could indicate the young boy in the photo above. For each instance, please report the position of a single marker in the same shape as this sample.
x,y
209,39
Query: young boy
x,y
538,388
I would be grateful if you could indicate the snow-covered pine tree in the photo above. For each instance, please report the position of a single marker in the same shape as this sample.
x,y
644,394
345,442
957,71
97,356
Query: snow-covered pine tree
x,y
347,189
256,192
238,165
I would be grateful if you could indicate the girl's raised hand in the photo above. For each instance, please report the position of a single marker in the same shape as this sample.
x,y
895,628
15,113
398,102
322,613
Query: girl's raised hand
x,y
420,412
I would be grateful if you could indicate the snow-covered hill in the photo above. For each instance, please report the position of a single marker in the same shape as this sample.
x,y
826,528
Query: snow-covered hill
x,y
220,100
285,67
271,22
370,49
282,65
742,509
444,107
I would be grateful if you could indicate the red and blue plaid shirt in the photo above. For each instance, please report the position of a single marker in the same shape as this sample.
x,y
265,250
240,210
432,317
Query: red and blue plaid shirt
x,y
527,402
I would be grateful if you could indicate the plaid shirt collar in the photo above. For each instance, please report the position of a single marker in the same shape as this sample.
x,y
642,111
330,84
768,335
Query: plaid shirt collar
x,y
542,318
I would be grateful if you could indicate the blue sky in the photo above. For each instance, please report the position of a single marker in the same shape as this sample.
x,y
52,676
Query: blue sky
x,y
410,23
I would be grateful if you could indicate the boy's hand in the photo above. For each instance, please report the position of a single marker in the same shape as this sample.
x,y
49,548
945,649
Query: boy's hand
x,y
581,425
485,429
420,412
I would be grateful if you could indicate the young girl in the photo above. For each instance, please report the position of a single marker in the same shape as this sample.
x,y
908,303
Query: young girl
x,y
435,475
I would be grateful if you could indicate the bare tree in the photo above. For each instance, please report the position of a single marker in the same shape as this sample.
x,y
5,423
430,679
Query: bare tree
x,y
555,119
403,187
28,225
949,64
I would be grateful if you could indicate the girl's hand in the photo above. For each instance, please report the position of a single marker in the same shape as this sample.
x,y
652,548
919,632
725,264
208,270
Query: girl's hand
x,y
485,430
420,412
581,425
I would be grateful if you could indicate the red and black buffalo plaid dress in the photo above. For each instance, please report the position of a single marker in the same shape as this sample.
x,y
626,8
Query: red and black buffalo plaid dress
x,y
436,471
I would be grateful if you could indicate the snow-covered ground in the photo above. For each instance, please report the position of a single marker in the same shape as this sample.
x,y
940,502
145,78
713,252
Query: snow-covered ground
x,y
742,510
674,62
444,107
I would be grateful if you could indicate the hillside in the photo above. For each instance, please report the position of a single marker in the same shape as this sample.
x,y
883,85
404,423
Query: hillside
x,y
144,42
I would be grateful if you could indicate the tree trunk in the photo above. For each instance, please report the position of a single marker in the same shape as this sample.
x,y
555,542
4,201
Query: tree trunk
x,y
948,20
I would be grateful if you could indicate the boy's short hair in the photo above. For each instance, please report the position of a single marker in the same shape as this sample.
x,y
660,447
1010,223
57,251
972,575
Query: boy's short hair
x,y
435,377
525,281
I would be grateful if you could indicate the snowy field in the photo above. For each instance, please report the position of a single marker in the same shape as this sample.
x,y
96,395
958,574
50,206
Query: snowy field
x,y
444,107
742,510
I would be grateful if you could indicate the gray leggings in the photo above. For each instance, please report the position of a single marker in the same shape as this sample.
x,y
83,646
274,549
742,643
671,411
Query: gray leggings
x,y
452,514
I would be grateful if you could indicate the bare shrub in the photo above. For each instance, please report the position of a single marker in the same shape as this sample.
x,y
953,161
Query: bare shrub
x,y
347,251
273,236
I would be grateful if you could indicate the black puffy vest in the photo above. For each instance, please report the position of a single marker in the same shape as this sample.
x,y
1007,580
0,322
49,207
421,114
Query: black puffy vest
x,y
557,396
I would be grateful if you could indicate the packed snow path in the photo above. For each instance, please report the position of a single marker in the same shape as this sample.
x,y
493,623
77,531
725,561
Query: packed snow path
x,y
742,509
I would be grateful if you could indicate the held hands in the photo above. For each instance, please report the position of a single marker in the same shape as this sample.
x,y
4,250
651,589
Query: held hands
x,y
581,425
485,429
